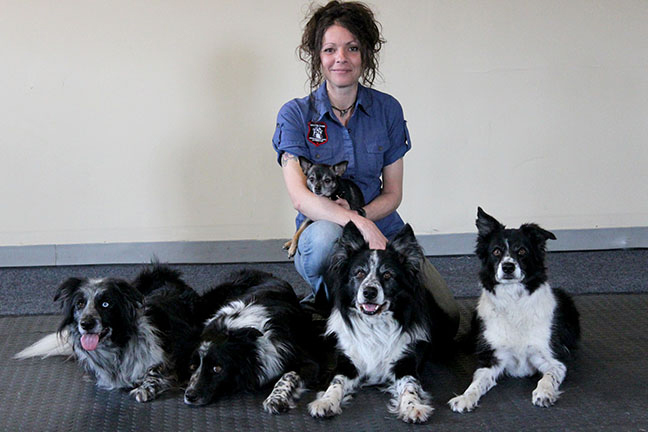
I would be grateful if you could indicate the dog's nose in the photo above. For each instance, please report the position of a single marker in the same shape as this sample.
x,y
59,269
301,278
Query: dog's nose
x,y
88,323
370,293
191,396
508,267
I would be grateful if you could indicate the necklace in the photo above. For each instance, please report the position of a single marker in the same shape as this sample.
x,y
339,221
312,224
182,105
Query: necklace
x,y
344,111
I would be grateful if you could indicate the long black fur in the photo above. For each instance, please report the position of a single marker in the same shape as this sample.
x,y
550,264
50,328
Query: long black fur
x,y
521,325
146,330
396,310
255,331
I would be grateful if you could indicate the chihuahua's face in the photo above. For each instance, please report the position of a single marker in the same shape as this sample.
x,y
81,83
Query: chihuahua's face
x,y
322,179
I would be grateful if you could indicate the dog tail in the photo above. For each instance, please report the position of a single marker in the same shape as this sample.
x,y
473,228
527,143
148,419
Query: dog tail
x,y
54,344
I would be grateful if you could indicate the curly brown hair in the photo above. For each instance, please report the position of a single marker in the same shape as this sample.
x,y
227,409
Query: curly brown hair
x,y
358,19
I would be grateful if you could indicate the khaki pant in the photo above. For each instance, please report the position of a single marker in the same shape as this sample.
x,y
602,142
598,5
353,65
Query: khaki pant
x,y
433,282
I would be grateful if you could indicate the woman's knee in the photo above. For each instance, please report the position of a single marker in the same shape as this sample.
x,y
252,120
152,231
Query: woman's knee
x,y
319,236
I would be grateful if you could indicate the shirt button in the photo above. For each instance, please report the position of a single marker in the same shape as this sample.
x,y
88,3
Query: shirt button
x,y
317,156
380,148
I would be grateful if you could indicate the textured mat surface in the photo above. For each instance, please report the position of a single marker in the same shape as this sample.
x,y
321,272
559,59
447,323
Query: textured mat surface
x,y
605,389
29,291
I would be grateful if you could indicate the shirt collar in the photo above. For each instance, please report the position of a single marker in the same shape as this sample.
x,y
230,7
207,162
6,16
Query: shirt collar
x,y
323,104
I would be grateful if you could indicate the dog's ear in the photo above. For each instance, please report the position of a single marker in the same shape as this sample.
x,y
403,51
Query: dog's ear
x,y
305,164
349,242
132,294
340,168
351,239
539,235
486,224
67,289
406,245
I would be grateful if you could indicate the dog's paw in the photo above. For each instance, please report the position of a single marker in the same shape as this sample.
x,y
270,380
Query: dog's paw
x,y
287,245
414,412
277,405
324,407
143,393
544,395
292,250
462,403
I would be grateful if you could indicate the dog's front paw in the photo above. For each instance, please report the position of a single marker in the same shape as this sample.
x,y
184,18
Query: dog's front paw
x,y
462,403
544,395
276,404
143,393
324,407
414,412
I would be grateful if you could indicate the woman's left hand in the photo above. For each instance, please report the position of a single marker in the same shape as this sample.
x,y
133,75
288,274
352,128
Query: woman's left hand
x,y
342,203
371,233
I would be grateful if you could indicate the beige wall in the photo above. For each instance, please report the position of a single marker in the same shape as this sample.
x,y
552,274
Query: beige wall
x,y
133,121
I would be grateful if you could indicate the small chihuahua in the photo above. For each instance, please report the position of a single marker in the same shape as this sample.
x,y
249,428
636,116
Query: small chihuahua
x,y
325,180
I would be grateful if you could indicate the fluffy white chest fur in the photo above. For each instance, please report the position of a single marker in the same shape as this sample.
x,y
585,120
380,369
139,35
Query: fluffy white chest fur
x,y
373,344
518,324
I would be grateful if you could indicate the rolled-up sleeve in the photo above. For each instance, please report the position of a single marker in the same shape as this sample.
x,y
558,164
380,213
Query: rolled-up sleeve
x,y
289,133
398,134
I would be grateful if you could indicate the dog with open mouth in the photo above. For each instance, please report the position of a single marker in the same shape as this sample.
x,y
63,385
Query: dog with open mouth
x,y
136,336
383,322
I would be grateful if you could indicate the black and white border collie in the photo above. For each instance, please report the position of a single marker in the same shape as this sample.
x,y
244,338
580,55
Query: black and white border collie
x,y
522,325
256,333
383,322
129,336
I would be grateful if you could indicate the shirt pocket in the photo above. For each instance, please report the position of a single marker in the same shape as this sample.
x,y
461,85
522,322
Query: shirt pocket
x,y
376,148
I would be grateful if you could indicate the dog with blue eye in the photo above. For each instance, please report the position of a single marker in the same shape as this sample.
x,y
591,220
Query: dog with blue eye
x,y
522,326
326,181
136,336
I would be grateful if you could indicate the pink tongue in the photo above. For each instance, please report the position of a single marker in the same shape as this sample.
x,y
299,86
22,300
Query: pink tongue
x,y
90,341
369,307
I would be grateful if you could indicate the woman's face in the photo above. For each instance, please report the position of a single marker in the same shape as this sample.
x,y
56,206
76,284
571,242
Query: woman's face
x,y
340,57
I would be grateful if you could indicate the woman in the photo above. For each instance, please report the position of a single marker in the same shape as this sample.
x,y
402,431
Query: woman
x,y
341,120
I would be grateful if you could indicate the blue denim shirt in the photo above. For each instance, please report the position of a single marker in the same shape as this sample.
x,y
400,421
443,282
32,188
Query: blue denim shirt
x,y
376,136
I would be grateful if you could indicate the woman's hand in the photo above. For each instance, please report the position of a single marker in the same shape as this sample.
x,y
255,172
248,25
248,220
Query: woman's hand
x,y
370,232
342,203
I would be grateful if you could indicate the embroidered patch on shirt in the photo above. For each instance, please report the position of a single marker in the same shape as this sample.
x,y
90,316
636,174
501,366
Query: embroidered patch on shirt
x,y
317,133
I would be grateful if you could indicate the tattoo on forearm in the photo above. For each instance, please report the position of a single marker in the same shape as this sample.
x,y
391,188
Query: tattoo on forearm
x,y
285,157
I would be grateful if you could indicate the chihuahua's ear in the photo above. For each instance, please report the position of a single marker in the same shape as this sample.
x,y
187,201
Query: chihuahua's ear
x,y
305,164
340,168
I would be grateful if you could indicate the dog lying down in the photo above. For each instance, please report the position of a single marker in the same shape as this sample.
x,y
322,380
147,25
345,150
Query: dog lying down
x,y
522,325
157,333
256,332
383,322
136,336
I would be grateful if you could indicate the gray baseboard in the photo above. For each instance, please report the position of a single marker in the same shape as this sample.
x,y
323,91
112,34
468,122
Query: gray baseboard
x,y
247,251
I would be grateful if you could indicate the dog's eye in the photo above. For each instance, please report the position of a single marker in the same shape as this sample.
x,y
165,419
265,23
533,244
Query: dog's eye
x,y
497,252
105,305
80,304
387,275
360,274
217,369
327,181
522,252
193,367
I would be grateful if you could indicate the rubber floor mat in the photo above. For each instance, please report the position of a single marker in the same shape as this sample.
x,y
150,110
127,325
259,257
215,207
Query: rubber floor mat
x,y
606,389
